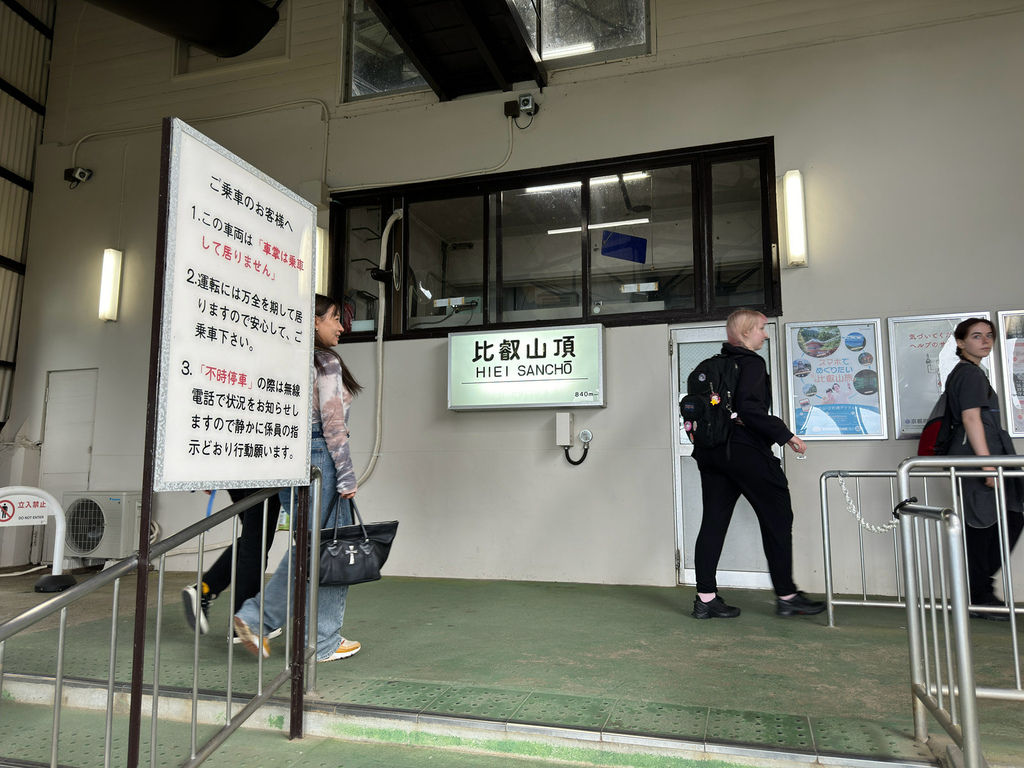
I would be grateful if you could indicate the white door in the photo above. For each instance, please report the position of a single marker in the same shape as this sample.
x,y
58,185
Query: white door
x,y
68,422
743,563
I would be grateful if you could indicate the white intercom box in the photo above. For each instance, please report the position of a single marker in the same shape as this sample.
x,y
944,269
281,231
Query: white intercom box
x,y
563,429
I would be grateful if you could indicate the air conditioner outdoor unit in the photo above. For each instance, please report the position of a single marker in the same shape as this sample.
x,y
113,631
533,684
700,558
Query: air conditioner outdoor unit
x,y
102,524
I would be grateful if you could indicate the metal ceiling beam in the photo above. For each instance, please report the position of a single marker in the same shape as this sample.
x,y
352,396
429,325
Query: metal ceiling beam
x,y
462,47
389,14
224,28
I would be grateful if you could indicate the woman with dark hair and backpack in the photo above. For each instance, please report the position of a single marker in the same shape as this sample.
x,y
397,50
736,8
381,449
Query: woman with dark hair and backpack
x,y
746,465
977,431
333,390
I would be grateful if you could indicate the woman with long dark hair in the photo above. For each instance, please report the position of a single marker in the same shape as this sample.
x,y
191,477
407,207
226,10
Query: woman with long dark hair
x,y
978,431
333,389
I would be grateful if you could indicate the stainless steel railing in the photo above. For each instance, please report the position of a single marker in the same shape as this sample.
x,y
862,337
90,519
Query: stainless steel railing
x,y
869,496
934,567
302,675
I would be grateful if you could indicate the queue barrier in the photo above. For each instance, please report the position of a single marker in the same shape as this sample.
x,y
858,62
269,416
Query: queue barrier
x,y
869,497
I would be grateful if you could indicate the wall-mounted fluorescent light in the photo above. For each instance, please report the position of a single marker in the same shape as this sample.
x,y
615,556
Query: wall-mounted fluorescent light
x,y
110,284
794,223
602,225
567,50
321,261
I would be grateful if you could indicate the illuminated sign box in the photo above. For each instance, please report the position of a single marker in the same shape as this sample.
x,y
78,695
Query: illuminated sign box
x,y
527,368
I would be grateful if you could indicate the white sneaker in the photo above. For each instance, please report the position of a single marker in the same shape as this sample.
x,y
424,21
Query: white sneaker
x,y
346,649
269,636
197,607
251,641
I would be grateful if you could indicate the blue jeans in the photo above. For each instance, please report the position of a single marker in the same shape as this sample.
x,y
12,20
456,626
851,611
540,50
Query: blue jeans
x,y
331,608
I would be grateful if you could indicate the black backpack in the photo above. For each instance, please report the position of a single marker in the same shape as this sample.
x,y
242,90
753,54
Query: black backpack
x,y
707,408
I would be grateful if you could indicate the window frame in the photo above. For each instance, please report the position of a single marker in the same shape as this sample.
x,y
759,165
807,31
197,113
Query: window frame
x,y
558,63
700,159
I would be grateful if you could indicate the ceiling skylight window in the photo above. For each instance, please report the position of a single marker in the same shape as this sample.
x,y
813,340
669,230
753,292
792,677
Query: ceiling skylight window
x,y
599,30
565,33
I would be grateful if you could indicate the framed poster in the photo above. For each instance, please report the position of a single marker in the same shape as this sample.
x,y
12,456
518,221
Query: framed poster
x,y
923,353
835,390
1011,326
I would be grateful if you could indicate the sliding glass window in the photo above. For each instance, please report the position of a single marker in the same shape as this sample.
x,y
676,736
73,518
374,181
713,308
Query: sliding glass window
x,y
641,241
539,250
446,263
677,236
737,233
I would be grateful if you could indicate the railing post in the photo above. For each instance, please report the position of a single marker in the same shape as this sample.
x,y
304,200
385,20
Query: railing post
x,y
826,543
962,633
301,527
915,641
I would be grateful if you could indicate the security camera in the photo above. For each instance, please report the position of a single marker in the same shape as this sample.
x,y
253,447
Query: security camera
x,y
527,105
77,174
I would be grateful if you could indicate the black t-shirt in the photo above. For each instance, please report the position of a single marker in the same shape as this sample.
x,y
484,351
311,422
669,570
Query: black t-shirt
x,y
968,387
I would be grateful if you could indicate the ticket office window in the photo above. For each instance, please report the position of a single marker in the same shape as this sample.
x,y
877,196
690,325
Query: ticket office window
x,y
446,256
647,241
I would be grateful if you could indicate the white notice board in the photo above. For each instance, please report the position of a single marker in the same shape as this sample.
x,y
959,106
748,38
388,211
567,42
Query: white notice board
x,y
236,351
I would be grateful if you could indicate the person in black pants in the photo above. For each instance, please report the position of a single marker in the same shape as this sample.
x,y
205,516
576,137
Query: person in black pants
x,y
249,570
978,431
746,465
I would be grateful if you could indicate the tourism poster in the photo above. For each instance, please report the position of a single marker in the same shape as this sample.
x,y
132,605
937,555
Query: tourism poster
x,y
923,353
835,389
1011,326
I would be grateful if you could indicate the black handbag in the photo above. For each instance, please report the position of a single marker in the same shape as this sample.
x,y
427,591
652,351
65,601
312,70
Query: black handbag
x,y
354,554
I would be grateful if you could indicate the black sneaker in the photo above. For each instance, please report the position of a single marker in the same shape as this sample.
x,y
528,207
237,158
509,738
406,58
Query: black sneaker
x,y
798,605
714,609
989,600
189,598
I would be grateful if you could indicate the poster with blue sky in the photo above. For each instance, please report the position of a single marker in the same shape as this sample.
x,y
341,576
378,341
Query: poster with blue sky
x,y
835,389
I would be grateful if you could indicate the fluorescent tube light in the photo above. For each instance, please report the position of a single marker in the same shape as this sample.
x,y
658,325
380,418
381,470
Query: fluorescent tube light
x,y
110,284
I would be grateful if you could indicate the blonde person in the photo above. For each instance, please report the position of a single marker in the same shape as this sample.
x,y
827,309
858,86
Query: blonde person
x,y
746,465
333,390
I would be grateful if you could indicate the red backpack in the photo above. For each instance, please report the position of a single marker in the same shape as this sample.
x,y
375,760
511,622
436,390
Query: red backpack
x,y
937,435
938,430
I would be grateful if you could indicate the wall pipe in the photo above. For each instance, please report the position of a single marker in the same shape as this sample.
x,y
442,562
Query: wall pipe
x,y
380,342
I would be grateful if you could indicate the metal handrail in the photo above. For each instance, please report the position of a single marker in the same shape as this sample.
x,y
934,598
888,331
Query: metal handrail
x,y
950,474
945,608
299,673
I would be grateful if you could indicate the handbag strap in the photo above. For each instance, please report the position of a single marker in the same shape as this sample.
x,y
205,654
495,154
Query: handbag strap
x,y
355,512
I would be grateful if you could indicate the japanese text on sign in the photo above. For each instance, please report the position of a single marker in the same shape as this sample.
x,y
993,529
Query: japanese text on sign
x,y
236,356
550,367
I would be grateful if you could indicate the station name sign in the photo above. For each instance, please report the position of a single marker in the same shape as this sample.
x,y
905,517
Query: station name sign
x,y
527,368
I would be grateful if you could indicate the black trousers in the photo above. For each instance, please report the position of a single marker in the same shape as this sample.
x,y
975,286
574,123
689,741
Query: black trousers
x,y
984,556
249,571
757,475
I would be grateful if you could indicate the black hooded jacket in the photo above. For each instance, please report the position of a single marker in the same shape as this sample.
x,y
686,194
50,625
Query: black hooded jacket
x,y
752,400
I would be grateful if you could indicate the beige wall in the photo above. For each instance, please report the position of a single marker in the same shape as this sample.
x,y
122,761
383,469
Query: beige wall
x,y
909,142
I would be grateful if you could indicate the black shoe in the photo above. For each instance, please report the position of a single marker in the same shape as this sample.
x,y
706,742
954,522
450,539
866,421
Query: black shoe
x,y
798,605
989,600
191,599
715,609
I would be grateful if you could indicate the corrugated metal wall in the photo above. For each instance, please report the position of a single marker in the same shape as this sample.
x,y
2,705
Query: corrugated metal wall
x,y
26,34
